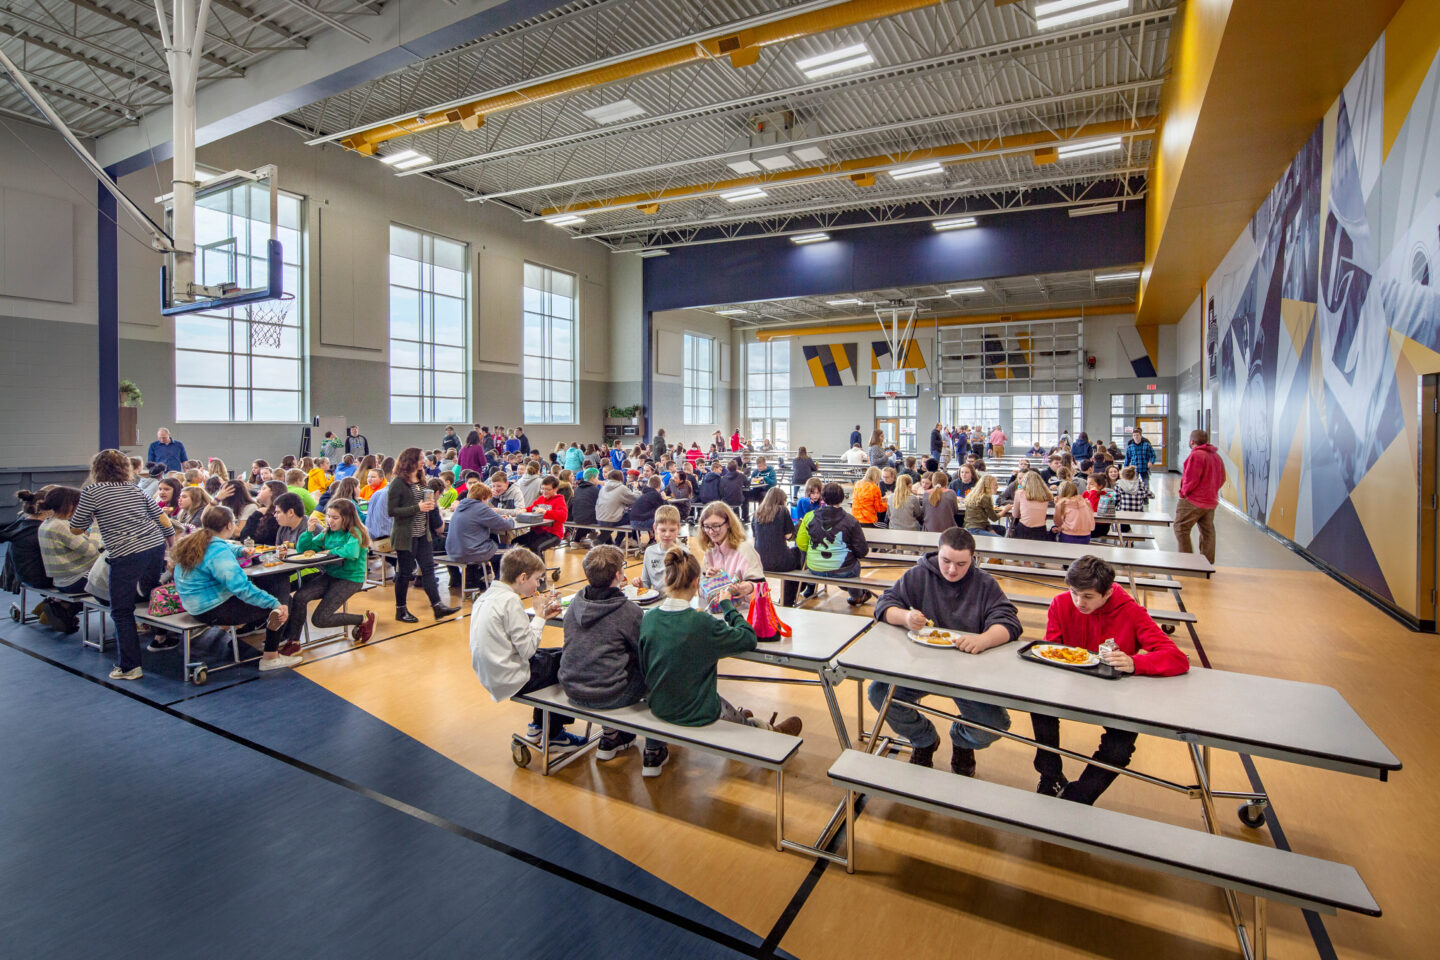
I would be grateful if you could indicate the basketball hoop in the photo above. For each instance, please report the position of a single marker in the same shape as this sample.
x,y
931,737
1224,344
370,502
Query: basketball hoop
x,y
267,320
890,394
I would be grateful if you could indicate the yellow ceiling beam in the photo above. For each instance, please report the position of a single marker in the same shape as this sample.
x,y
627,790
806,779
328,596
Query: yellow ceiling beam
x,y
948,154
864,326
742,48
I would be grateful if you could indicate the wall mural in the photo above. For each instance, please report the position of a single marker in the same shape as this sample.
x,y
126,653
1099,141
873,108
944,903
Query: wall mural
x,y
913,360
1325,311
832,364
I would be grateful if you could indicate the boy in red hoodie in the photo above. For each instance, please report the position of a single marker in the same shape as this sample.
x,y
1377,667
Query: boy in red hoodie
x,y
1200,483
1093,610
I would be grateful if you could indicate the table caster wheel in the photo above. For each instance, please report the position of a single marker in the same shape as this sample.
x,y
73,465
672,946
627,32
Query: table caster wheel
x,y
520,754
199,675
1252,815
15,612
1169,628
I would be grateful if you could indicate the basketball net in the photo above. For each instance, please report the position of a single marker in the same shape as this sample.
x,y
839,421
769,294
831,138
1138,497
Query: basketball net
x,y
267,320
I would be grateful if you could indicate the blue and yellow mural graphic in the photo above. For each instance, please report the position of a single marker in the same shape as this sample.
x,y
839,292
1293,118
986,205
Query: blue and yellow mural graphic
x,y
913,360
832,364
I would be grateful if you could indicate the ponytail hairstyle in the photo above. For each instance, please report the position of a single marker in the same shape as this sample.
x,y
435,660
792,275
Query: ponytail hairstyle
x,y
939,483
682,570
59,500
191,548
31,501
350,519
1067,490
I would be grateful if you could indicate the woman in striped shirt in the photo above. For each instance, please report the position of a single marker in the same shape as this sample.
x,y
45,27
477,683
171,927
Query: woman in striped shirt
x,y
135,531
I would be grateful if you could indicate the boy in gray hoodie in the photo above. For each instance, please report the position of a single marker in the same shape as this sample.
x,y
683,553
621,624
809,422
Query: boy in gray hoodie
x,y
601,666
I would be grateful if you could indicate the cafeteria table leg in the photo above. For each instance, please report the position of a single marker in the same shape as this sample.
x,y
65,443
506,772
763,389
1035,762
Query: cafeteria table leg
x,y
827,685
860,709
849,831
780,809
880,717
1262,934
1200,759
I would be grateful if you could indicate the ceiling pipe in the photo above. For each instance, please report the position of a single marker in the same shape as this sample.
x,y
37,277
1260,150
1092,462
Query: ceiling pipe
x,y
741,47
865,166
1066,313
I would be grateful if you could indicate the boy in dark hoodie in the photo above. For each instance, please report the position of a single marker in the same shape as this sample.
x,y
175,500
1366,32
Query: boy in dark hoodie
x,y
948,589
601,666
708,489
733,484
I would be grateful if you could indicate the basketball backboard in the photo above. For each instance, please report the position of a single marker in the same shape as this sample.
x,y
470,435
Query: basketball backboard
x,y
239,256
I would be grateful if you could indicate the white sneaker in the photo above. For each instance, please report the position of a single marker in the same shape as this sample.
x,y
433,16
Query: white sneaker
x,y
281,662
134,673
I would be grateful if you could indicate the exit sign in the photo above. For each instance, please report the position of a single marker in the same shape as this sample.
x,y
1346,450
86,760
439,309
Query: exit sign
x,y
1149,386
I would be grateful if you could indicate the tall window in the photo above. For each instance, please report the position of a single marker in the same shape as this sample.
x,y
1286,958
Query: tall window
x,y
897,415
699,379
974,411
767,391
428,369
550,311
1077,416
1035,418
227,369
1125,407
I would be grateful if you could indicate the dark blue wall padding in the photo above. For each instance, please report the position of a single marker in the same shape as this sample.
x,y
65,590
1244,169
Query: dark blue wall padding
x,y
128,832
909,254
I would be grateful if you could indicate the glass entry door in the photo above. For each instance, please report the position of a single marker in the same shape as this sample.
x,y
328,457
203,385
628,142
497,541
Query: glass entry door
x,y
890,427
1153,429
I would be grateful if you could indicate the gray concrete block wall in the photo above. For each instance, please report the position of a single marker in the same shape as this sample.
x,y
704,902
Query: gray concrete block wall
x,y
47,393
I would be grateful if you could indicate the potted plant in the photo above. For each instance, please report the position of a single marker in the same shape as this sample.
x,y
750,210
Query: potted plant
x,y
129,422
130,395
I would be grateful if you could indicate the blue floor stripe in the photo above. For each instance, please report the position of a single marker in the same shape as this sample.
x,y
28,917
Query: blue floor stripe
x,y
128,832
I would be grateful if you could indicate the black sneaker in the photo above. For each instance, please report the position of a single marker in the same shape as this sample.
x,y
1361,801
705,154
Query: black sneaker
x,y
923,756
655,758
612,742
162,642
962,761
1051,787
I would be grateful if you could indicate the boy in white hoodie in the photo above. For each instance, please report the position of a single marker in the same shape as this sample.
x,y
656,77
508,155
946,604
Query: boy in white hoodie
x,y
505,642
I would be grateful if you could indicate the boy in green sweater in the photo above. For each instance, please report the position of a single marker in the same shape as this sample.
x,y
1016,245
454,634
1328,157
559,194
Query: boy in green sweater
x,y
342,535
679,648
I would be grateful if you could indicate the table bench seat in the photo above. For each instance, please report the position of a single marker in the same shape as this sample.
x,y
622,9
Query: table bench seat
x,y
1264,872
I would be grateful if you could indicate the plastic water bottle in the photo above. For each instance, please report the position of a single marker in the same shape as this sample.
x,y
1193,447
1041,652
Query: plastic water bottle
x,y
249,543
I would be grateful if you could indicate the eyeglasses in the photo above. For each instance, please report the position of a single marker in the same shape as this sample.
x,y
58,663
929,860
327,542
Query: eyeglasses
x,y
713,527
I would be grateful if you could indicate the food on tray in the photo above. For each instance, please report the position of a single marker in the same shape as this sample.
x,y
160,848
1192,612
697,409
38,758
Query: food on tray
x,y
1072,655
308,553
939,638
271,563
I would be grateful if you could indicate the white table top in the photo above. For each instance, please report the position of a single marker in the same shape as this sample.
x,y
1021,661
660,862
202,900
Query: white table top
x,y
817,636
1303,723
1007,548
260,570
1143,518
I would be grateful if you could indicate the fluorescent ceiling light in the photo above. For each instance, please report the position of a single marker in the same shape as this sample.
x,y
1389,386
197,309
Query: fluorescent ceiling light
x,y
844,53
1048,8
1083,13
400,157
729,313
740,196
840,67
419,161
743,166
843,303
959,223
810,238
1126,275
1069,150
564,220
916,170
647,254
964,291
615,112
810,154
1093,209
778,161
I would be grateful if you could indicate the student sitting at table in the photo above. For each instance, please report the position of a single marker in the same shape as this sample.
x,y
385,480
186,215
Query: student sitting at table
x,y
810,499
505,644
1094,491
665,534
527,487
374,482
167,495
549,534
473,534
503,495
772,530
1035,450
642,511
1131,491
1095,609
65,556
965,480
866,502
832,541
722,546
295,483
345,489
214,589
193,501
948,589
317,479
582,504
1028,510
601,666
346,467
1074,520
342,535
733,488
762,478
904,509
679,650
707,487
612,505
448,495
941,505
981,516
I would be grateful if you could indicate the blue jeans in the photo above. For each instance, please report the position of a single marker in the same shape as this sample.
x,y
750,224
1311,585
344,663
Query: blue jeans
x,y
917,728
132,576
851,569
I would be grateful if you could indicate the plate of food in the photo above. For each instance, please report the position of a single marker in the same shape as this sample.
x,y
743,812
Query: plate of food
x,y
933,636
1065,656
308,556
642,594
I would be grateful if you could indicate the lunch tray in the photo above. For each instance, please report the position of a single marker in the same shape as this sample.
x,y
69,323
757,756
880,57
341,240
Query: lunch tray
x,y
1104,671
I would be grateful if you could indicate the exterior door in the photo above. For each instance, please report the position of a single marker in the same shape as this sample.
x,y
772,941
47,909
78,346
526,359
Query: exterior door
x,y
1153,429
890,426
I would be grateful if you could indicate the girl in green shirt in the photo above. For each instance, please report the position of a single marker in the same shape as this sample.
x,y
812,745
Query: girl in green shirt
x,y
342,535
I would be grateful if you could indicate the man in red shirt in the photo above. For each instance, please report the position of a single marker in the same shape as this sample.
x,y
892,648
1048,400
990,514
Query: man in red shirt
x,y
1093,610
1200,484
